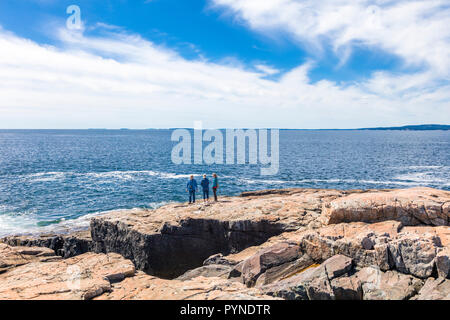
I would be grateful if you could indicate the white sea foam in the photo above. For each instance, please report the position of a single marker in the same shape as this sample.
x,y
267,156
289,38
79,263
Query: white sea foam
x,y
108,175
418,182
26,223
16,223
46,176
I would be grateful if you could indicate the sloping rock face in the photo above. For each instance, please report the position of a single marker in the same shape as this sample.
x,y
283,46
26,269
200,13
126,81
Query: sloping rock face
x,y
33,273
11,257
217,270
434,289
145,287
414,206
175,238
79,278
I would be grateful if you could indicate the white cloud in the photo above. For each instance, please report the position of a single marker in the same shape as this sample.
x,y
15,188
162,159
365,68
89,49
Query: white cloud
x,y
416,30
267,69
121,80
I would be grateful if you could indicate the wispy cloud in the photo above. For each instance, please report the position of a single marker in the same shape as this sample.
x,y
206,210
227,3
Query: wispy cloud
x,y
119,79
415,30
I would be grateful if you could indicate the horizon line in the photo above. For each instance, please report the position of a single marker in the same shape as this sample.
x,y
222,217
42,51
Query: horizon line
x,y
225,128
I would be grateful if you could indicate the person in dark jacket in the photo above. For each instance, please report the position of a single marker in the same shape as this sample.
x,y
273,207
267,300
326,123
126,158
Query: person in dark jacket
x,y
191,188
215,186
205,186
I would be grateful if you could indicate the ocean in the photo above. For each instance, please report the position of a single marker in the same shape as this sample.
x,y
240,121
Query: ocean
x,y
54,180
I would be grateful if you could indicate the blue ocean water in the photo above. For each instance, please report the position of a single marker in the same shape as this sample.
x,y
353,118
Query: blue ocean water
x,y
57,179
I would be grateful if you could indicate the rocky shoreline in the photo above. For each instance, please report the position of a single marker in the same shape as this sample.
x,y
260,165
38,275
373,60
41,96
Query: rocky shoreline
x,y
307,244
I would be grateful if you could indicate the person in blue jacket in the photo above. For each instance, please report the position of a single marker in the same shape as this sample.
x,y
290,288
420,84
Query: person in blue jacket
x,y
205,186
191,188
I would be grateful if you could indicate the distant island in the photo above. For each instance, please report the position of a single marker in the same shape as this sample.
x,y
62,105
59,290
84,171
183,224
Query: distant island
x,y
413,127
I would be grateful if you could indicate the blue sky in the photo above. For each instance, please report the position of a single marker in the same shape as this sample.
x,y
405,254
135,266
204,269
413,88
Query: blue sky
x,y
229,63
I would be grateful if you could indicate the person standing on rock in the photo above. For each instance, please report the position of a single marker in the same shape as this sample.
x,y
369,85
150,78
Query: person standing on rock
x,y
191,188
205,186
215,186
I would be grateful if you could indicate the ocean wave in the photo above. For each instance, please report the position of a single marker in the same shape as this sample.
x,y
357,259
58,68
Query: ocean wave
x,y
422,177
426,167
107,175
17,222
27,223
439,182
46,176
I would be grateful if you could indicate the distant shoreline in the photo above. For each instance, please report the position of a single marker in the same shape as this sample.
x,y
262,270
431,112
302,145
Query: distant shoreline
x,y
421,127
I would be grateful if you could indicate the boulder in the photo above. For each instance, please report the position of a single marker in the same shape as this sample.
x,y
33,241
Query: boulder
x,y
390,285
347,288
275,257
414,254
337,266
413,206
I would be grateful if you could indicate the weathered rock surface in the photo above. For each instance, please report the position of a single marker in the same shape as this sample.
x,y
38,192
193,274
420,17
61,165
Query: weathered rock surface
x,y
377,244
291,244
274,262
145,287
11,257
183,236
313,283
82,277
208,271
390,285
413,206
434,289
39,275
347,288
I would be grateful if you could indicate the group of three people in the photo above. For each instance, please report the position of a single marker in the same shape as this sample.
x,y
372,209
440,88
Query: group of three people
x,y
192,188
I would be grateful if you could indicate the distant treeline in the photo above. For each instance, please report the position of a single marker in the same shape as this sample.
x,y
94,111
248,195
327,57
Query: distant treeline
x,y
415,127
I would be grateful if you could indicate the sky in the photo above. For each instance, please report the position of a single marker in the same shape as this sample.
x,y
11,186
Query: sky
x,y
228,63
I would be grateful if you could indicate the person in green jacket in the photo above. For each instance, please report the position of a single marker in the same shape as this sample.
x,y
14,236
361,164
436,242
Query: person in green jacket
x,y
215,185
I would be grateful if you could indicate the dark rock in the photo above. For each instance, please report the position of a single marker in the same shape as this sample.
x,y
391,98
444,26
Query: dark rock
x,y
347,288
284,270
337,266
295,287
218,259
268,258
65,246
443,263
319,288
390,285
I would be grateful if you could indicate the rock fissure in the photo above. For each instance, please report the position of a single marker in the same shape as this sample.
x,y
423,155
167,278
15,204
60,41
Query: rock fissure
x,y
178,247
